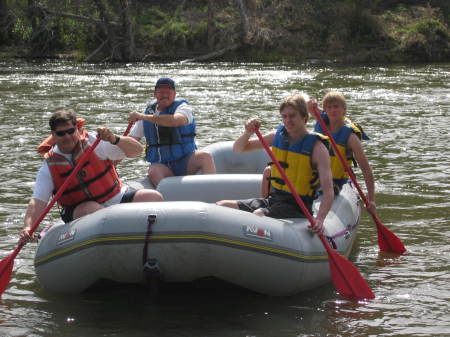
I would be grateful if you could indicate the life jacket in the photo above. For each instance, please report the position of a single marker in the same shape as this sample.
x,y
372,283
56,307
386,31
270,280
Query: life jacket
x,y
48,142
96,181
340,175
164,143
296,160
361,134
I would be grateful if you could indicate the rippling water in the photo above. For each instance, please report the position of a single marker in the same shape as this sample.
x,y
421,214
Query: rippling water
x,y
405,110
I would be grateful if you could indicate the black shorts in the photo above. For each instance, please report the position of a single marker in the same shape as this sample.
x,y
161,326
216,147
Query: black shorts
x,y
275,206
67,213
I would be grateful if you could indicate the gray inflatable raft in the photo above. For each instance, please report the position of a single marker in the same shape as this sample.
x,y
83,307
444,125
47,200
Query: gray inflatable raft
x,y
189,237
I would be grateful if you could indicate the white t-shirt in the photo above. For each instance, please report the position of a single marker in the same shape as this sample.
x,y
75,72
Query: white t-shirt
x,y
43,188
185,109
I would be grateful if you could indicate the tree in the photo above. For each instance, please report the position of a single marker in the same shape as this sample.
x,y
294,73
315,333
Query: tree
x,y
6,22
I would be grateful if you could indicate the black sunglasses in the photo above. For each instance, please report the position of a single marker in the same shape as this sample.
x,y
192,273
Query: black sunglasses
x,y
61,133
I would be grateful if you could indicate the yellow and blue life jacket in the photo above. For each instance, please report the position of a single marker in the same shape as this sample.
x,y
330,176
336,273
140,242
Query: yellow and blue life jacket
x,y
340,176
295,158
165,144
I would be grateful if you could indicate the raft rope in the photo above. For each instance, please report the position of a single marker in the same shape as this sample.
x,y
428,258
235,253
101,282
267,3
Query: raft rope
x,y
151,270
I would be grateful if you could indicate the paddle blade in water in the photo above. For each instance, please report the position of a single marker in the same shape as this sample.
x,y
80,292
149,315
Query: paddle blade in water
x,y
346,278
388,241
6,264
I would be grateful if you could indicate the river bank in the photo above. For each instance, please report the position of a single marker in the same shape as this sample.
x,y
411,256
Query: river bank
x,y
323,31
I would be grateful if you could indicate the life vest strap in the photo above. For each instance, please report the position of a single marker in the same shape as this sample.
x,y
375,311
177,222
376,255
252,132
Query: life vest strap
x,y
66,174
283,164
97,197
277,180
170,143
84,184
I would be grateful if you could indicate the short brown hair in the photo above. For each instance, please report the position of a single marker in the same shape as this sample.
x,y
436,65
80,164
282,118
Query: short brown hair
x,y
62,117
334,96
297,102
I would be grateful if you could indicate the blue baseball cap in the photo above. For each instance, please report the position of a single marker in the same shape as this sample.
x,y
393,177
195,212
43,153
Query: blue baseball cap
x,y
165,82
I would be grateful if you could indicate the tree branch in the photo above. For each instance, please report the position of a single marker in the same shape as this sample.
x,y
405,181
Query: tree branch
x,y
78,17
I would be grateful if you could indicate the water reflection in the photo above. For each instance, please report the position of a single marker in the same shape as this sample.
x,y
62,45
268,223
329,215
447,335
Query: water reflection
x,y
403,108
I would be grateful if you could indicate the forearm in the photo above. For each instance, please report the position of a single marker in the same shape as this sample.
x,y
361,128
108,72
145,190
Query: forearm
x,y
240,144
164,120
361,159
129,145
34,210
370,184
322,160
325,204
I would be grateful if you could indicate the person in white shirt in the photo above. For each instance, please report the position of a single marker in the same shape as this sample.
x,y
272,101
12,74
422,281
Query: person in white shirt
x,y
169,128
96,186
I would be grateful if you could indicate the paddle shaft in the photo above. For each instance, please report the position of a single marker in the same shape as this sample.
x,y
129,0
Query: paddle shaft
x,y
63,187
127,131
341,158
6,265
346,277
285,178
291,187
389,238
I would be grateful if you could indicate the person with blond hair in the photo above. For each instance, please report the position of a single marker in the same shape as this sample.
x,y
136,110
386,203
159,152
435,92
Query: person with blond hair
x,y
305,159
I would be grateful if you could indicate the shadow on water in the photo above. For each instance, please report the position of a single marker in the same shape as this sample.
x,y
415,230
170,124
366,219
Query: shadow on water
x,y
203,308
403,109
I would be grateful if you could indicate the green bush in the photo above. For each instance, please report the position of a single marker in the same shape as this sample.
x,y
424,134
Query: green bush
x,y
426,39
22,29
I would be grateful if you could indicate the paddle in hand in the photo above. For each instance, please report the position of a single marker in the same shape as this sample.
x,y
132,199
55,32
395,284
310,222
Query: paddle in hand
x,y
345,276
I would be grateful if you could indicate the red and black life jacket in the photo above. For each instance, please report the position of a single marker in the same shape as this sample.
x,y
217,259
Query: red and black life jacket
x,y
96,181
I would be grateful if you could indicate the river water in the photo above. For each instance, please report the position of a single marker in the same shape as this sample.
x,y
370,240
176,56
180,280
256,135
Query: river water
x,y
404,108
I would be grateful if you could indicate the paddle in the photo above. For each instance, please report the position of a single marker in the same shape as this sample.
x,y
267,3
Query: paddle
x,y
6,265
127,131
387,241
346,277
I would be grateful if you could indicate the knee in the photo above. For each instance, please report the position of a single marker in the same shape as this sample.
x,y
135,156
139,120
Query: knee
x,y
85,208
261,211
207,157
227,203
146,195
153,172
221,202
157,172
206,161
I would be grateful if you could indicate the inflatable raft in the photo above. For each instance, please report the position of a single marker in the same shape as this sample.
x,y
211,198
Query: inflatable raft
x,y
189,237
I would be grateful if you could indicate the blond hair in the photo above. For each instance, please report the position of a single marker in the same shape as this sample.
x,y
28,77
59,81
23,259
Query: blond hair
x,y
334,96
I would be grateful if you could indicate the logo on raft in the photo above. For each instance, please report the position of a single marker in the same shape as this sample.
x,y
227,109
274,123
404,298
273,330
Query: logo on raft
x,y
67,236
255,232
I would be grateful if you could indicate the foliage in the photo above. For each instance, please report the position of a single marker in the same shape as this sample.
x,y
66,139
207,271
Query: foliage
x,y
279,30
424,39
420,32
169,32
22,29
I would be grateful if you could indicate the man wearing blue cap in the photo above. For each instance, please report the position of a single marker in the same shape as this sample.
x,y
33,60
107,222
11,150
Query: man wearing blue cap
x,y
168,125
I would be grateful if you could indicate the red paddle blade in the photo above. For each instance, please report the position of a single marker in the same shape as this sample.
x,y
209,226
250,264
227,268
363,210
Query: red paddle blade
x,y
6,267
346,277
388,241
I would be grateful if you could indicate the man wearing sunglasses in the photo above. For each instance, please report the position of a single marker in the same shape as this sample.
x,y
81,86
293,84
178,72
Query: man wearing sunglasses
x,y
96,186
168,125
